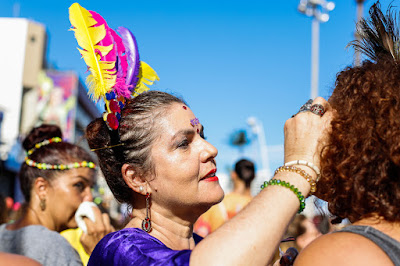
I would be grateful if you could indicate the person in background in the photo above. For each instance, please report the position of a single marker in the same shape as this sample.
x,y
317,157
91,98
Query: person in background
x,y
360,166
242,176
303,230
3,210
300,232
323,223
16,260
56,178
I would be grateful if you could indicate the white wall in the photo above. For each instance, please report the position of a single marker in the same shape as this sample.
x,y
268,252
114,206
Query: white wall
x,y
13,32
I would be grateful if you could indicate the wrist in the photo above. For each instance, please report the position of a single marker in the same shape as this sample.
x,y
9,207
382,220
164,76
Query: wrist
x,y
296,180
310,165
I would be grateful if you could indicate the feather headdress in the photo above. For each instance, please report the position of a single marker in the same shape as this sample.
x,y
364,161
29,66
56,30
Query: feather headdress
x,y
116,72
379,35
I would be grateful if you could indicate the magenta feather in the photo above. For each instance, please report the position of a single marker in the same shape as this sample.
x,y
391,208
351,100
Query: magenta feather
x,y
117,55
108,39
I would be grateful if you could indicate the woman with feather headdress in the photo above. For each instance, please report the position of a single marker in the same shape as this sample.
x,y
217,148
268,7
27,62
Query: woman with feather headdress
x,y
154,156
361,163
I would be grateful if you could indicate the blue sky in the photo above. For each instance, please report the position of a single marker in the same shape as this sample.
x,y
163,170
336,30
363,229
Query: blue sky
x,y
228,59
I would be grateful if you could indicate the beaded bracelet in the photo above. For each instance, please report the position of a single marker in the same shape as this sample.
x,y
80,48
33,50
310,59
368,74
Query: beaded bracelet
x,y
301,172
306,163
289,186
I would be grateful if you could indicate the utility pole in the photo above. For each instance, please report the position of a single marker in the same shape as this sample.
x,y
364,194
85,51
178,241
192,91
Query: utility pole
x,y
360,11
318,10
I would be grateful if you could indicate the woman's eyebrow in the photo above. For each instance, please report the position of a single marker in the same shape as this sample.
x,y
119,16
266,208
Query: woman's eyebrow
x,y
185,132
85,179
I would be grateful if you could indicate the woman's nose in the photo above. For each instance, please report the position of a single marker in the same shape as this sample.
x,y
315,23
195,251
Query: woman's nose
x,y
88,195
210,152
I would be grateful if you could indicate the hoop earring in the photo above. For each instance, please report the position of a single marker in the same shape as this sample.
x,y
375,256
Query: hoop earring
x,y
146,224
42,204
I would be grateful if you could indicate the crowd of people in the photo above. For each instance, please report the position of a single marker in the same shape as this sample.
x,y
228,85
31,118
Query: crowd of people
x,y
152,152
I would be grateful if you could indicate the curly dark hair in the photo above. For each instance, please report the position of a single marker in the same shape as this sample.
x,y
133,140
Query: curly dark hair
x,y
361,163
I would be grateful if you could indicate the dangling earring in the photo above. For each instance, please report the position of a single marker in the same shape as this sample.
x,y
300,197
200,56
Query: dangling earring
x,y
146,224
141,188
42,204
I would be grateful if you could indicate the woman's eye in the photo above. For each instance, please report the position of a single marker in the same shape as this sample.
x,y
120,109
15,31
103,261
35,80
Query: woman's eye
x,y
202,135
80,186
183,144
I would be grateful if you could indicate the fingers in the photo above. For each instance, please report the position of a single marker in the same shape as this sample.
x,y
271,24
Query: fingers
x,y
97,227
304,131
313,107
101,226
107,223
322,101
95,230
92,228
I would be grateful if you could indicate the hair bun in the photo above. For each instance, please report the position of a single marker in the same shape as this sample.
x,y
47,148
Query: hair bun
x,y
38,134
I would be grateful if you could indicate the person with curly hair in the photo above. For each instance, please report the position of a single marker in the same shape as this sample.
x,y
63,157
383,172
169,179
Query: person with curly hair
x,y
361,162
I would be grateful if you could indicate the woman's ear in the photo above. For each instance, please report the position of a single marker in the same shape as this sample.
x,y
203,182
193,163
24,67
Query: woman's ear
x,y
41,187
234,176
133,179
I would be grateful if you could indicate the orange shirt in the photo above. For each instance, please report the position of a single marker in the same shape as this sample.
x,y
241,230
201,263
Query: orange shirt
x,y
220,213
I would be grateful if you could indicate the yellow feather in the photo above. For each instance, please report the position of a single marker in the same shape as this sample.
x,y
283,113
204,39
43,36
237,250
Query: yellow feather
x,y
148,76
101,78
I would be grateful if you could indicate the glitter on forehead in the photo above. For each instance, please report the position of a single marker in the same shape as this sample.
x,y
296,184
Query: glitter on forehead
x,y
194,122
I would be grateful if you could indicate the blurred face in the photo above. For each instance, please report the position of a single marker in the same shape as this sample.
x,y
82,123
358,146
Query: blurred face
x,y
309,235
66,193
185,169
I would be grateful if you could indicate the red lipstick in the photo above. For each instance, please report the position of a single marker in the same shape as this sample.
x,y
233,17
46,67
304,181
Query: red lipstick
x,y
210,177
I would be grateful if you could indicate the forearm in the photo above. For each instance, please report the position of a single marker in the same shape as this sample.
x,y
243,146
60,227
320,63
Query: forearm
x,y
252,236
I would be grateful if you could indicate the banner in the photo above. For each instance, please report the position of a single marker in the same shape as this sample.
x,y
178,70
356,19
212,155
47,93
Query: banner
x,y
57,99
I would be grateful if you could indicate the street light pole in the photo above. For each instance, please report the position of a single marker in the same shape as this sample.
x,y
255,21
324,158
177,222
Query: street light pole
x,y
360,11
314,57
258,129
318,10
264,173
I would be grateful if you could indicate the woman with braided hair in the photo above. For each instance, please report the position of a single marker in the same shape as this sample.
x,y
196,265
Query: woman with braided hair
x,y
154,156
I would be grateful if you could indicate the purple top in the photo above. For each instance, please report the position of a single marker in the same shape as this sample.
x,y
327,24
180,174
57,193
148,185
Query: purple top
x,y
133,246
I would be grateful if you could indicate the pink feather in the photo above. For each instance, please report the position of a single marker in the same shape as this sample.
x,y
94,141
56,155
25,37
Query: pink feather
x,y
118,52
108,39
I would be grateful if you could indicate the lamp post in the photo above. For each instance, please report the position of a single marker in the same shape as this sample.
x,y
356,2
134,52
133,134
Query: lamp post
x,y
318,10
360,10
265,173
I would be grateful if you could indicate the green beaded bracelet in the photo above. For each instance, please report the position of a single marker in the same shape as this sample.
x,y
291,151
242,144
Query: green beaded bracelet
x,y
291,187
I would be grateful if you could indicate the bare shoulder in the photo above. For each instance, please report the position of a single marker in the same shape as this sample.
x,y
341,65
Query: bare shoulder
x,y
17,260
342,249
